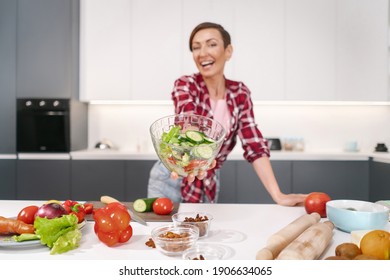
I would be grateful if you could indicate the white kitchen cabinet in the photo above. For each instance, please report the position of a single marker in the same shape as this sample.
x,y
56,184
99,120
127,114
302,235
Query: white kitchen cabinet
x,y
155,48
362,50
299,50
336,50
258,43
310,50
129,50
105,44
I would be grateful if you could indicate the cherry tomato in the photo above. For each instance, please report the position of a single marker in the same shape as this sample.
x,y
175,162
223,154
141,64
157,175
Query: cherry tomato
x,y
88,207
162,206
27,214
195,164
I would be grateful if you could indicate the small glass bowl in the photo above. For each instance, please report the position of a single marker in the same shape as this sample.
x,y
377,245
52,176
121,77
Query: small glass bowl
x,y
200,219
203,252
172,240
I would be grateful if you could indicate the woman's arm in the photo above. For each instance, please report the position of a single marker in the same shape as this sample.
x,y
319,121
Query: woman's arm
x,y
266,175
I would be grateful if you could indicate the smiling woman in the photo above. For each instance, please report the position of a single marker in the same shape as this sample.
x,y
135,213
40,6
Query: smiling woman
x,y
210,94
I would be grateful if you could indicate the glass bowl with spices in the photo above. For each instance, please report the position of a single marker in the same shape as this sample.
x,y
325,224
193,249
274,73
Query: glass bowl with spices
x,y
173,239
201,220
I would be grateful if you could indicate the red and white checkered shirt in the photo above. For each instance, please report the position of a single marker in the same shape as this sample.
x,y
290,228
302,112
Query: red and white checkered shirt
x,y
190,95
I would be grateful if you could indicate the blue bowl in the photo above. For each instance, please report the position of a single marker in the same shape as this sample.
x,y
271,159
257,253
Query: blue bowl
x,y
350,215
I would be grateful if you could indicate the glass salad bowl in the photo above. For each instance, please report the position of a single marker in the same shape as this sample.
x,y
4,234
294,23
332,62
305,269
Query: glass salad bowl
x,y
187,143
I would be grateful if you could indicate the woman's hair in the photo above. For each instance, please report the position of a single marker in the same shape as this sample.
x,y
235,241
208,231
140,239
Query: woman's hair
x,y
225,35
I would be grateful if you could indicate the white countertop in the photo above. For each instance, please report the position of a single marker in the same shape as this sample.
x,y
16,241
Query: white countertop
x,y
53,156
96,154
240,229
236,155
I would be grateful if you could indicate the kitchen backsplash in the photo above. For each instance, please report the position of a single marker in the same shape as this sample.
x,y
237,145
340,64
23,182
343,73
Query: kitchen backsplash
x,y
322,127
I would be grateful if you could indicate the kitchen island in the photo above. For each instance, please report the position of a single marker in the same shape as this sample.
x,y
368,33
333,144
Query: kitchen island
x,y
240,230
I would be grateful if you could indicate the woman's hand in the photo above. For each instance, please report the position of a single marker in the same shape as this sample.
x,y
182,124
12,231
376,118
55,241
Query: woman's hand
x,y
191,177
290,199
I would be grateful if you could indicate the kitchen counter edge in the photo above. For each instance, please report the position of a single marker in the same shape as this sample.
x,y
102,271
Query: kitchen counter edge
x,y
92,154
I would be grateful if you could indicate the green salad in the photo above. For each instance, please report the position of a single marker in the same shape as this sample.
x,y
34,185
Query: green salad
x,y
186,152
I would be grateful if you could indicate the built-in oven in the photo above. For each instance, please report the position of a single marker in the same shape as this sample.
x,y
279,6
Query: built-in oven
x,y
43,125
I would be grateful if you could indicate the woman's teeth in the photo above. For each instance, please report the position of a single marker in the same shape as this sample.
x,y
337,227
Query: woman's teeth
x,y
207,63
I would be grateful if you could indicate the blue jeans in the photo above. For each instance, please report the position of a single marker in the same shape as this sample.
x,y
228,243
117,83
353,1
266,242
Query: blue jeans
x,y
161,185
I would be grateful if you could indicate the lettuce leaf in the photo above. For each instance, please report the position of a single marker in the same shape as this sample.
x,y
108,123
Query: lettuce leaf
x,y
66,242
25,237
61,233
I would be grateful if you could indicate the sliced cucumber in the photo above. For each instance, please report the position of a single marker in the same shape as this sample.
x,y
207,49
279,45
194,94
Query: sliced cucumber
x,y
205,152
208,140
144,204
194,136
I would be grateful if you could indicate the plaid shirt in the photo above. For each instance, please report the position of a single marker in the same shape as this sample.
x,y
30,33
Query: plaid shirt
x,y
190,95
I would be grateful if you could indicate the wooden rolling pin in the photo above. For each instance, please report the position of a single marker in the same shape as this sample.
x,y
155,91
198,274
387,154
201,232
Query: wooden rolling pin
x,y
278,241
310,244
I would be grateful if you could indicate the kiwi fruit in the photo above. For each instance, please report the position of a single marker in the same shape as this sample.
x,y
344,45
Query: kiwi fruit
x,y
348,250
364,257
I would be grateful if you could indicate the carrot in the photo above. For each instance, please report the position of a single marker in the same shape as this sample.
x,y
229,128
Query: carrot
x,y
11,226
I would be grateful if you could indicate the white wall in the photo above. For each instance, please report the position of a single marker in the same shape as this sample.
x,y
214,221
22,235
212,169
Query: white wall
x,y
323,127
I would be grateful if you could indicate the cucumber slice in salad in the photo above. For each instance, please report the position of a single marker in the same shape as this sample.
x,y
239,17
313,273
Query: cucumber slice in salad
x,y
208,140
179,149
204,152
194,136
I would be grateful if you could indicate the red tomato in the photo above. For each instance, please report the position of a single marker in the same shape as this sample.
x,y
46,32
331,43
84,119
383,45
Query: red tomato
x,y
162,206
195,164
27,214
316,202
88,207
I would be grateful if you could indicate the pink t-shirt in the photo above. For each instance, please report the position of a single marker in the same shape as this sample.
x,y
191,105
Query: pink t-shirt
x,y
221,112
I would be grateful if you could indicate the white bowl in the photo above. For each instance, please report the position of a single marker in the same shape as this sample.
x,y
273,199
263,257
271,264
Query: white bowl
x,y
351,215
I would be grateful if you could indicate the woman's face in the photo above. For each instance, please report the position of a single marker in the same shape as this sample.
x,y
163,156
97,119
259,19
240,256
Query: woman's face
x,y
209,53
